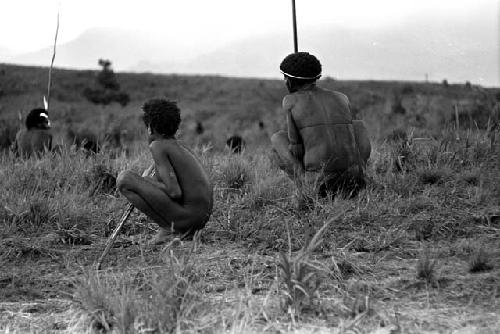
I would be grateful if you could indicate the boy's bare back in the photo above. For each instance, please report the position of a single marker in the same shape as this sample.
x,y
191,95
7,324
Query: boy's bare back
x,y
190,177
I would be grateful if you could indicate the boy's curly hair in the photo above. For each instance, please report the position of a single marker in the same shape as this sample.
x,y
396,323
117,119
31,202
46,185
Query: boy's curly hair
x,y
162,115
301,64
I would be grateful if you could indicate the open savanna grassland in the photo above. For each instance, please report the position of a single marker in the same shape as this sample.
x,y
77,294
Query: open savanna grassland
x,y
227,106
417,251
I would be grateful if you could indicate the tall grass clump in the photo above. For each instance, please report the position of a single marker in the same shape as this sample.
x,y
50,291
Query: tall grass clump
x,y
234,173
479,260
432,175
426,268
269,189
50,193
471,177
300,275
269,185
161,300
100,179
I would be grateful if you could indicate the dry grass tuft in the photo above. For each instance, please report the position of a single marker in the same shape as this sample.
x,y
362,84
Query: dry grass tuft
x,y
101,180
432,175
15,249
426,268
160,299
235,173
471,177
479,261
300,274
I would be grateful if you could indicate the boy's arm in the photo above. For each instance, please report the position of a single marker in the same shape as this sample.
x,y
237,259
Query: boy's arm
x,y
164,170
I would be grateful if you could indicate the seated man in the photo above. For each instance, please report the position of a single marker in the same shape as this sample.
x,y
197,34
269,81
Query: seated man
x,y
179,197
36,137
322,144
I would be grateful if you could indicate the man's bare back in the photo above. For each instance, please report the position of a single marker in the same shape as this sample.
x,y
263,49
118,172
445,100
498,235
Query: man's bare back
x,y
322,144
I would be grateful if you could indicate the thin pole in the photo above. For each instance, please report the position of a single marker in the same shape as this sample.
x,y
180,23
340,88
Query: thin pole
x,y
295,44
49,84
128,211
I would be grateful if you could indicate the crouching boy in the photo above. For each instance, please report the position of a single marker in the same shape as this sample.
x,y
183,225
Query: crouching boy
x,y
179,197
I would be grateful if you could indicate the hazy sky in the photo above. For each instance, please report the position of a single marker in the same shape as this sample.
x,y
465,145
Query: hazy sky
x,y
27,25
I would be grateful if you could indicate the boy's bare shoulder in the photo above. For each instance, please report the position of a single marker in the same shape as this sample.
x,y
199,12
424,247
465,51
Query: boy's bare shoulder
x,y
163,146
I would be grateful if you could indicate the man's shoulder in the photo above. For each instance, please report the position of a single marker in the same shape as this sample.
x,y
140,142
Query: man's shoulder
x,y
334,93
288,101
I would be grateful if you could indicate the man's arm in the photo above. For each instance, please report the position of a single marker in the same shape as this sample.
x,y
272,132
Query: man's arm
x,y
296,146
164,170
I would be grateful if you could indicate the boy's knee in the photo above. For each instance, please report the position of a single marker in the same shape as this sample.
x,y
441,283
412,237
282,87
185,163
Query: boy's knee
x,y
124,180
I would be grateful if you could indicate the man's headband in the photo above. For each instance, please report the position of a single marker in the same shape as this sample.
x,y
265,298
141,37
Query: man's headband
x,y
303,78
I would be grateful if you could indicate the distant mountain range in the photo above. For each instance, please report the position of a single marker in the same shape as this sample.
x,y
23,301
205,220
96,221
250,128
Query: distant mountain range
x,y
124,48
457,52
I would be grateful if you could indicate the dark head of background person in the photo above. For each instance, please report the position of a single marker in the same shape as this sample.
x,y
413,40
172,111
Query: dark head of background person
x,y
300,69
235,144
37,119
161,117
36,137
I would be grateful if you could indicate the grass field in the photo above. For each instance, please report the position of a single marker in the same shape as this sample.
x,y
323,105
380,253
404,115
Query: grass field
x,y
417,251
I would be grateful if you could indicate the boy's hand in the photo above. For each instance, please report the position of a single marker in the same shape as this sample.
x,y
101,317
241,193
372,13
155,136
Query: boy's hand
x,y
175,192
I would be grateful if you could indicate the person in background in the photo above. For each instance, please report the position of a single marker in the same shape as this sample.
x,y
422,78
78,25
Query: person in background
x,y
36,137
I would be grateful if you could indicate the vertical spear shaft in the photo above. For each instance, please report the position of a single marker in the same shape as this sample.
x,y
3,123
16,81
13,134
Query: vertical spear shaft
x,y
295,44
49,85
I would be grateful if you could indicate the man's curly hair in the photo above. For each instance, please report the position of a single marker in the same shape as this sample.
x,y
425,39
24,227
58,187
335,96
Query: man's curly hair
x,y
301,64
162,115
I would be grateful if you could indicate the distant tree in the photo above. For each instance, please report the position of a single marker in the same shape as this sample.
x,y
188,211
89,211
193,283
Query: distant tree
x,y
468,85
445,83
106,78
107,88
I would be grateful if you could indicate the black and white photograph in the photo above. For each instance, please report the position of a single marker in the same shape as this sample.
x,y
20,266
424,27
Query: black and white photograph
x,y
264,166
